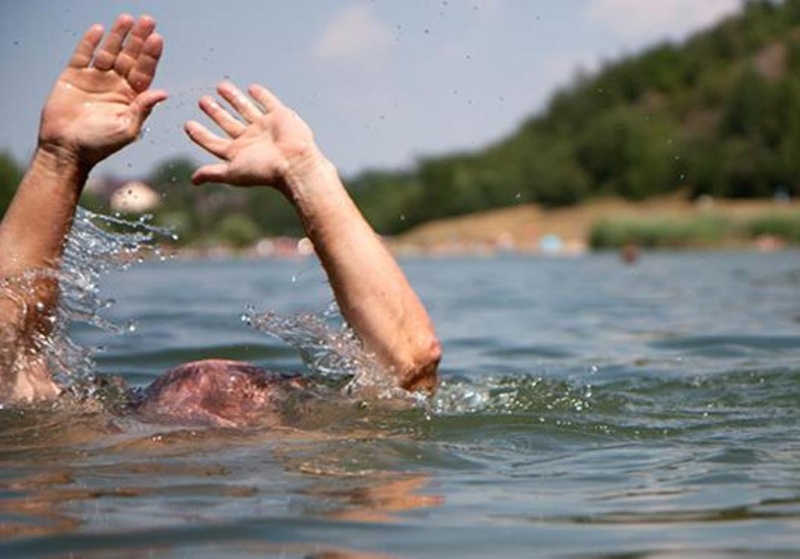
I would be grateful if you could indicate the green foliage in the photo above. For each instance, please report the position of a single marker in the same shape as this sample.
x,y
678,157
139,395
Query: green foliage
x,y
629,153
698,231
211,213
387,199
784,226
718,115
659,233
237,230
10,177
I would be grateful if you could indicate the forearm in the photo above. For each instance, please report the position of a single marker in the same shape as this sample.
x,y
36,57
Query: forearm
x,y
371,290
35,227
33,233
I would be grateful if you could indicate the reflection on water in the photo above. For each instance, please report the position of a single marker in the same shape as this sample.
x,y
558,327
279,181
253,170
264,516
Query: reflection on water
x,y
97,473
587,409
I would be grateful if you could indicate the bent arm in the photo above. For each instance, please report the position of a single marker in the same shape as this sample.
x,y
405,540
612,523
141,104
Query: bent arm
x,y
271,145
371,290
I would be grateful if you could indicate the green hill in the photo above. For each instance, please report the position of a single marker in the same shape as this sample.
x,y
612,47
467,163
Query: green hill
x,y
718,115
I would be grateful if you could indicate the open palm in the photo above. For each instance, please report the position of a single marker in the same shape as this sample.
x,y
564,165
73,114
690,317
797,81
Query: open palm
x,y
265,144
102,99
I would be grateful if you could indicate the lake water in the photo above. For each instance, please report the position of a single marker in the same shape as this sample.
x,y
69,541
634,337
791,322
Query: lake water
x,y
587,409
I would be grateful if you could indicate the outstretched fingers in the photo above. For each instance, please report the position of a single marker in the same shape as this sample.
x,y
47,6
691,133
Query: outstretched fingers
x,y
144,70
239,101
206,139
265,97
227,122
126,60
132,49
112,45
84,52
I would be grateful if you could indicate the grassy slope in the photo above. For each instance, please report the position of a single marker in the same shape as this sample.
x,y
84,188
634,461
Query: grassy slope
x,y
523,226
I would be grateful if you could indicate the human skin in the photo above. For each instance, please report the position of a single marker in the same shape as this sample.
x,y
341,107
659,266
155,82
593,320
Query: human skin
x,y
270,145
98,106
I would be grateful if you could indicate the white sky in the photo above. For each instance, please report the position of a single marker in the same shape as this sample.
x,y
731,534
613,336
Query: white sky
x,y
382,82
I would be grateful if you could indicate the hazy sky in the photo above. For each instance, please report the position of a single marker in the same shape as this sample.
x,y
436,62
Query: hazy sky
x,y
381,82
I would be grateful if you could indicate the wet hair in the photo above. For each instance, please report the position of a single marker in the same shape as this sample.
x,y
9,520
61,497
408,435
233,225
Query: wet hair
x,y
214,392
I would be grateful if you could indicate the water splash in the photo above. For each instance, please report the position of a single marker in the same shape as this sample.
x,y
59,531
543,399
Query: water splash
x,y
96,245
330,350
510,395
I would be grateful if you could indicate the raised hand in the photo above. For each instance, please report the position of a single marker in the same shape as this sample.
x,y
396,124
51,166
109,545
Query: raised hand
x,y
97,106
266,143
263,146
103,97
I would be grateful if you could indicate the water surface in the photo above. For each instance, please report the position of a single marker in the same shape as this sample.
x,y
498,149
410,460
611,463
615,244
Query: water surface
x,y
587,409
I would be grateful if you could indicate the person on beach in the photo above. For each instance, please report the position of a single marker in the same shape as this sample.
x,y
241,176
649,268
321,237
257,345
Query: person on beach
x,y
98,106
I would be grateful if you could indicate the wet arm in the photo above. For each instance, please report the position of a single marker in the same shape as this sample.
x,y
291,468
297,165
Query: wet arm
x,y
270,145
32,236
35,226
371,290
96,107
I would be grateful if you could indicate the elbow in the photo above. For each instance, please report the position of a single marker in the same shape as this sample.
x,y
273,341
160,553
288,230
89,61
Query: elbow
x,y
422,371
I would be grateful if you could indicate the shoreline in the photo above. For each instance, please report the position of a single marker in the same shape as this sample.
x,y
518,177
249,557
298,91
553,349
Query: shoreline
x,y
532,230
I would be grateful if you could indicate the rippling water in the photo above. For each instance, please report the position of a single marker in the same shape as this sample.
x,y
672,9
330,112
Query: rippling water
x,y
587,409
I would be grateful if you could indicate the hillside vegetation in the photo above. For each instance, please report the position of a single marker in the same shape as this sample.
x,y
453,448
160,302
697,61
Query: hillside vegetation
x,y
716,115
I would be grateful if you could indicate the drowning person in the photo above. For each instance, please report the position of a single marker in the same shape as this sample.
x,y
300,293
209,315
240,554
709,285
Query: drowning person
x,y
98,106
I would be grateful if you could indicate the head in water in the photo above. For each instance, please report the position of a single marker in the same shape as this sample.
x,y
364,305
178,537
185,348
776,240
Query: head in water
x,y
215,392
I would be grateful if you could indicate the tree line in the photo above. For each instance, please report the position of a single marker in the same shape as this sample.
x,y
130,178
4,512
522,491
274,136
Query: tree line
x,y
718,115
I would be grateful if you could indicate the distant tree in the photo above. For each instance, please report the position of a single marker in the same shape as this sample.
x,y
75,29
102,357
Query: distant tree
x,y
389,200
237,230
742,112
629,153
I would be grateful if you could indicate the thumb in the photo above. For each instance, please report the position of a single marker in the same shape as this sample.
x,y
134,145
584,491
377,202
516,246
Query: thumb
x,y
146,101
217,172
